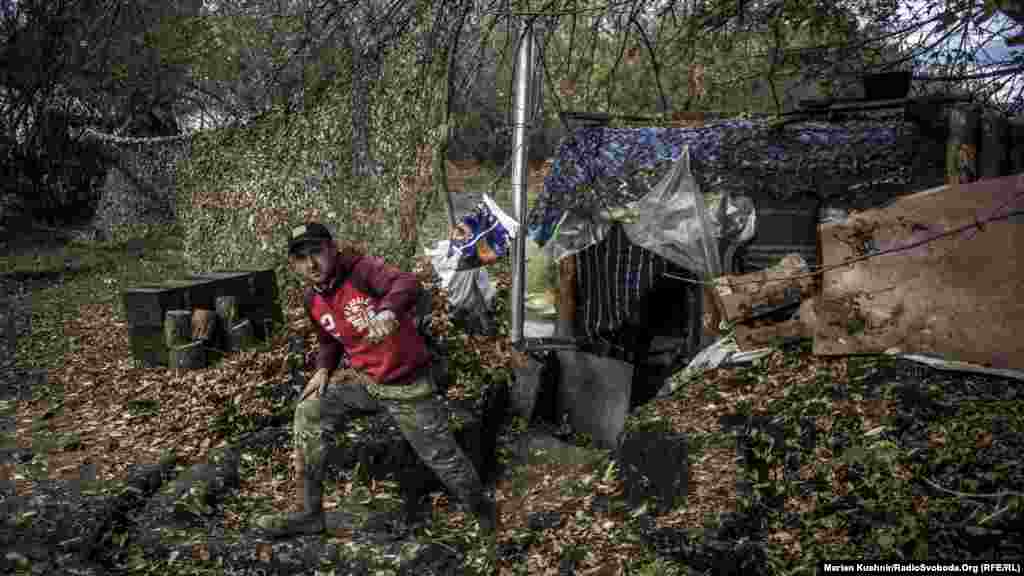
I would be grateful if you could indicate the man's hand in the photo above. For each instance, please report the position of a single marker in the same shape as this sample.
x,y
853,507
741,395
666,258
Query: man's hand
x,y
316,385
382,325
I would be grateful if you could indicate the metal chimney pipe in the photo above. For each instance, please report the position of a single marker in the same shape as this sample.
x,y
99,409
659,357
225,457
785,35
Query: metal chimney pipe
x,y
520,144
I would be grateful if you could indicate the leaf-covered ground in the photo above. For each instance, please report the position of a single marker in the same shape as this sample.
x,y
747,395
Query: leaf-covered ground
x,y
854,458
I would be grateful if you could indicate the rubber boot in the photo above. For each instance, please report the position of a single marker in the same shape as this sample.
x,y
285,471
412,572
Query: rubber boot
x,y
311,519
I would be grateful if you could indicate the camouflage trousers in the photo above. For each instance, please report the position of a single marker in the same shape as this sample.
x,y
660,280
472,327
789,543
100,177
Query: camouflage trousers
x,y
422,419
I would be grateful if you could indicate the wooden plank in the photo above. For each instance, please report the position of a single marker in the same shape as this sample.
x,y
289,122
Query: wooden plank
x,y
257,294
962,145
204,324
1015,156
566,297
227,310
754,335
957,297
743,297
711,316
992,150
177,327
145,306
183,352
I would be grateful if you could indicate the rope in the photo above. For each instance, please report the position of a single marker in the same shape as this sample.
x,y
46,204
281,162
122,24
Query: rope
x,y
131,140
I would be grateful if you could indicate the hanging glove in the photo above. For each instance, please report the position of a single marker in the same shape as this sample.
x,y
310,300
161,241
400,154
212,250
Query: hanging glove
x,y
381,326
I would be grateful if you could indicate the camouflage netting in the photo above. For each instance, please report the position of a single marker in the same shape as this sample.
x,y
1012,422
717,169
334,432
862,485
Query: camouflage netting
x,y
598,168
139,191
244,188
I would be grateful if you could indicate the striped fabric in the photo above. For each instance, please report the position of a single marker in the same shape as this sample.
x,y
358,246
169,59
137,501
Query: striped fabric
x,y
612,280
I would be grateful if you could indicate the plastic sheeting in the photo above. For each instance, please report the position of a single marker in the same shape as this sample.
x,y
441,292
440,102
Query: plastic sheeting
x,y
469,290
575,233
674,220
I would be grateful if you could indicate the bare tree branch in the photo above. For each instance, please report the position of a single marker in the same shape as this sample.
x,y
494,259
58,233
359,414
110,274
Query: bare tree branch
x,y
609,90
1003,72
654,64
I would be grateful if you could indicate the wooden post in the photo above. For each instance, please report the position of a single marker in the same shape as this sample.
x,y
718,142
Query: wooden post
x,y
962,145
566,297
1016,152
10,330
182,352
742,297
992,160
711,318
227,311
204,323
178,328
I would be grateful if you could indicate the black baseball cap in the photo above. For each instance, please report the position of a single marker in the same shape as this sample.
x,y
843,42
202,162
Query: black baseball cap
x,y
306,234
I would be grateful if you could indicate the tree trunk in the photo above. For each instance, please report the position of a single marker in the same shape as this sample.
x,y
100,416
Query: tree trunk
x,y
410,190
566,297
366,68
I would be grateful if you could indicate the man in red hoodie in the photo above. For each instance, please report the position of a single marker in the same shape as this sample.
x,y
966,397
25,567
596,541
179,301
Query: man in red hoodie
x,y
362,308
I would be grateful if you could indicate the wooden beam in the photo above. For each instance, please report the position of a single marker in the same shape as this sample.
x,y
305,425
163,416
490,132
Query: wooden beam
x,y
1015,157
566,297
993,150
183,352
227,311
177,327
757,293
962,145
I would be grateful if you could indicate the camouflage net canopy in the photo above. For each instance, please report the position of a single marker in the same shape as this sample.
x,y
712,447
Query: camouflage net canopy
x,y
244,187
138,190
599,169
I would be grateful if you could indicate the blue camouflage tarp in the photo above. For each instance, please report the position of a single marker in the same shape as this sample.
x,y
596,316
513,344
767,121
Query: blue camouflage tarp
x,y
600,168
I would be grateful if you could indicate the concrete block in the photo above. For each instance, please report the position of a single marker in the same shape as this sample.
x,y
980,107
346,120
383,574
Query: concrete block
x,y
526,385
594,392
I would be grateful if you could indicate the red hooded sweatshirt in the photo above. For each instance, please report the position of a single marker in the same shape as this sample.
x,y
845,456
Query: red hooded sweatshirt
x,y
362,287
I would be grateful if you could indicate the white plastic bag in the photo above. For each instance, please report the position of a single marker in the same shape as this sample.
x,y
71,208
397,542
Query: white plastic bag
x,y
723,352
467,289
